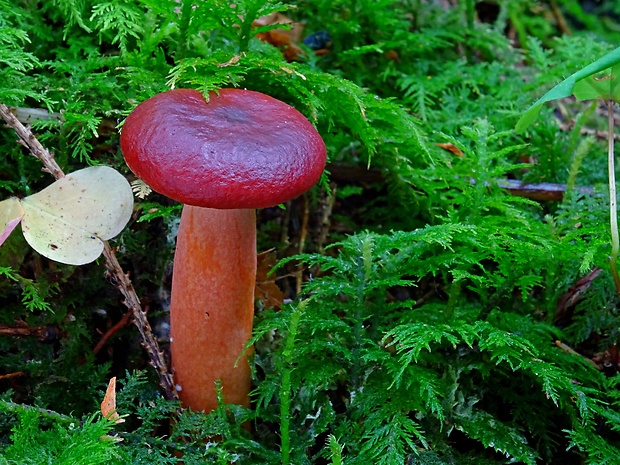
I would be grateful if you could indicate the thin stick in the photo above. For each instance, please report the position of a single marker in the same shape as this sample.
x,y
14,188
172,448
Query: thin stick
x,y
327,206
559,18
132,302
110,332
115,272
15,374
42,333
613,213
12,407
567,349
590,132
27,138
303,234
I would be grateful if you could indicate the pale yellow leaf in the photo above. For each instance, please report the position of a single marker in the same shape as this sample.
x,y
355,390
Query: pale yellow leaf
x,y
68,220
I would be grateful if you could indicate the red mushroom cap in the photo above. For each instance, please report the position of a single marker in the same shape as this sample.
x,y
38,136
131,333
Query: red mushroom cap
x,y
241,149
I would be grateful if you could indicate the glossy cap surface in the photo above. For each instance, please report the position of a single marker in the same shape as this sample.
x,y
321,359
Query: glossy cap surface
x,y
241,149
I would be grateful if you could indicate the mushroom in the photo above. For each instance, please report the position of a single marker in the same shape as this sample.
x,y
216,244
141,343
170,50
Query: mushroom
x,y
222,157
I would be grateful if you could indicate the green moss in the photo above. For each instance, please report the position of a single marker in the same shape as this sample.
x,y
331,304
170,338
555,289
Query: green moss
x,y
429,317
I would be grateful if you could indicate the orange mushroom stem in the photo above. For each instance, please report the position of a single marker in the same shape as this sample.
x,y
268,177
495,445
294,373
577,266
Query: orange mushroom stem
x,y
212,305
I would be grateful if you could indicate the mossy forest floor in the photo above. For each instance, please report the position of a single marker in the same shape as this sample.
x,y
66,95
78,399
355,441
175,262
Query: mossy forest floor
x,y
442,296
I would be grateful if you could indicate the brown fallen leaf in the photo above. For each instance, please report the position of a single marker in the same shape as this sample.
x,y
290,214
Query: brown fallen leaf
x,y
267,291
566,302
608,360
285,39
108,405
450,148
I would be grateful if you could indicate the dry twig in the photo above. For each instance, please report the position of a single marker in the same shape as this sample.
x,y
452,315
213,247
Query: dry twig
x,y
105,337
42,333
569,350
15,374
590,132
114,270
325,210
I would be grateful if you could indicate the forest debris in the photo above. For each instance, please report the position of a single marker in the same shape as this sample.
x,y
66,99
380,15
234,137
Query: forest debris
x,y
544,191
14,407
110,332
288,39
568,300
28,115
48,333
608,360
450,147
108,404
267,291
539,191
27,139
324,212
568,350
285,39
68,220
233,61
590,132
15,374
559,18
140,188
114,270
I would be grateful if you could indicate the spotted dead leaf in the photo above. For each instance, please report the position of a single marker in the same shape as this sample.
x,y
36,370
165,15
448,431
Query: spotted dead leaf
x,y
108,405
68,221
